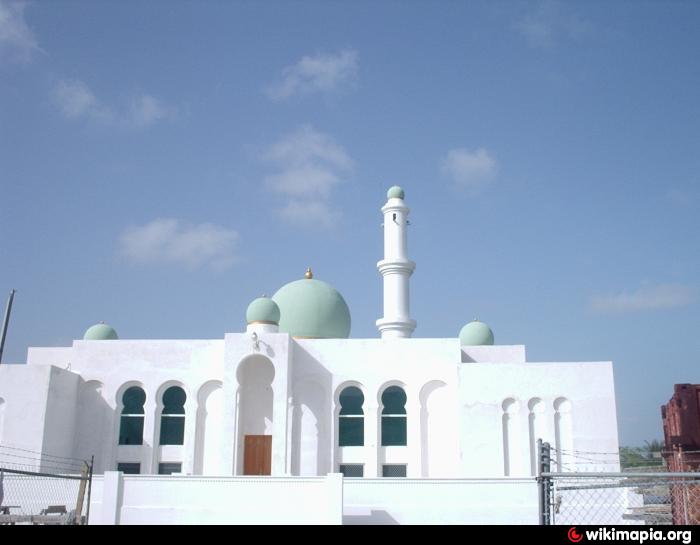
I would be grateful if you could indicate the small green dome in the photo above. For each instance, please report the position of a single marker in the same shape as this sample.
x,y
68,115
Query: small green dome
x,y
395,192
264,310
476,333
100,332
312,309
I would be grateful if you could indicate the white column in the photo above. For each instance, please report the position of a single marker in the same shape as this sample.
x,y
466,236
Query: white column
x,y
396,269
189,443
149,452
371,441
334,501
112,497
413,439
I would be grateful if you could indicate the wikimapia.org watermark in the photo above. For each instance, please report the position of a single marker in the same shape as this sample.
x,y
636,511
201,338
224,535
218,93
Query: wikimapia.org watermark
x,y
640,536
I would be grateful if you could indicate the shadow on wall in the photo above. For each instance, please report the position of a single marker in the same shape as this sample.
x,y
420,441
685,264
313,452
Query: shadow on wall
x,y
95,418
374,517
312,416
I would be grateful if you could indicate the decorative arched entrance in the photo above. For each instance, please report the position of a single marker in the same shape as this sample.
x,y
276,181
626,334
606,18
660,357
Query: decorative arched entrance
x,y
255,400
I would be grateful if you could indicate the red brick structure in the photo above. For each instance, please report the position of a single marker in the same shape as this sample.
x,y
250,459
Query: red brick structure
x,y
681,418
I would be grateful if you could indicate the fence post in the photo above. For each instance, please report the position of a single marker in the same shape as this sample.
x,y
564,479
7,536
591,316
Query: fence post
x,y
81,494
544,482
89,493
112,496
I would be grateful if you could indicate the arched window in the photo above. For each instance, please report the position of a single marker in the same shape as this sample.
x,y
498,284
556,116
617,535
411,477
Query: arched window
x,y
131,425
394,417
172,421
351,421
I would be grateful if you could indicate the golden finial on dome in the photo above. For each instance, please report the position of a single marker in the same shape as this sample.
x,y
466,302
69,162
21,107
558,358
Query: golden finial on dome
x,y
308,274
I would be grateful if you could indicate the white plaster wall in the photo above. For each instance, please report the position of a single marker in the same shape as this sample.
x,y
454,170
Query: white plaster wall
x,y
61,412
497,353
430,501
485,386
311,433
95,514
454,431
239,348
152,499
2,417
151,364
26,392
374,364
60,356
210,414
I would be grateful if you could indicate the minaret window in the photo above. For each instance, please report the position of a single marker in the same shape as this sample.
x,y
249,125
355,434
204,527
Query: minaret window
x,y
172,421
351,420
131,424
394,417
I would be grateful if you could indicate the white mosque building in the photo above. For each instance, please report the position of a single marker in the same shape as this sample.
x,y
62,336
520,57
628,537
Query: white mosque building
x,y
294,395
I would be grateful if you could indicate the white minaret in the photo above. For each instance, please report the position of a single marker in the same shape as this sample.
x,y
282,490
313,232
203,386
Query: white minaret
x,y
396,269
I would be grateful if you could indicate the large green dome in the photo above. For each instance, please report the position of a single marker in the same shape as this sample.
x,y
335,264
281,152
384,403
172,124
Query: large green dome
x,y
312,309
263,310
476,333
100,332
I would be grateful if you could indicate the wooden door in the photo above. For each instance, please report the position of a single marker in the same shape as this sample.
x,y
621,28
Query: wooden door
x,y
257,457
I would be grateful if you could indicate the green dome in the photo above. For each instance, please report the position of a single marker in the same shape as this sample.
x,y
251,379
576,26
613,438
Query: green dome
x,y
100,332
312,309
395,192
476,334
264,310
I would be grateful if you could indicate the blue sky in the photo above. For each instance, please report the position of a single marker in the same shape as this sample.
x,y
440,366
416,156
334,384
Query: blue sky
x,y
164,163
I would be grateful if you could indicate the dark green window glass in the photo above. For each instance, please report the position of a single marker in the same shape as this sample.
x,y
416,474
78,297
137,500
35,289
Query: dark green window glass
x,y
174,400
172,430
351,431
133,400
351,421
352,470
172,422
129,468
169,468
351,401
393,470
131,422
131,430
394,417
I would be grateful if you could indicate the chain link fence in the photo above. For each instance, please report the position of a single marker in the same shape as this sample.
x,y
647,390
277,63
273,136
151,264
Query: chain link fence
x,y
654,497
39,488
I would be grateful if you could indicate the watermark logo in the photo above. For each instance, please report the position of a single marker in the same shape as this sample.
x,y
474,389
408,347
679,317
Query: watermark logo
x,y
573,535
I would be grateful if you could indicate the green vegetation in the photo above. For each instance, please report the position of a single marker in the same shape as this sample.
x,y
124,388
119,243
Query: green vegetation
x,y
648,455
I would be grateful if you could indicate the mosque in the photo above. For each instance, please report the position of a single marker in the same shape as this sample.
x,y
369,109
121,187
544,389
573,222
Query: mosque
x,y
294,395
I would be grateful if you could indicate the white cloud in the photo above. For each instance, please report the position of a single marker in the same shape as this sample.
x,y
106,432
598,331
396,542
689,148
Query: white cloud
x,y
305,146
306,180
17,41
469,168
75,100
172,241
321,73
549,22
663,296
146,110
309,164
309,213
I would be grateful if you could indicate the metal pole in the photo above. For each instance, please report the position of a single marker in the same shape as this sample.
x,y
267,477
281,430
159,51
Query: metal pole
x,y
92,465
544,482
5,322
